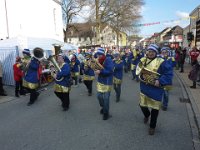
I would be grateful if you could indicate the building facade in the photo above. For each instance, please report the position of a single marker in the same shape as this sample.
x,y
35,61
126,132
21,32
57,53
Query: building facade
x,y
195,26
31,18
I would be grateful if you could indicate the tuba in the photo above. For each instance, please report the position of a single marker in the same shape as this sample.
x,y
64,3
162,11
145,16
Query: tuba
x,y
145,75
38,53
54,67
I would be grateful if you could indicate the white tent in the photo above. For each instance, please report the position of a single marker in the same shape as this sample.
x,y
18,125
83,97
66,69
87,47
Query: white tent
x,y
68,46
31,43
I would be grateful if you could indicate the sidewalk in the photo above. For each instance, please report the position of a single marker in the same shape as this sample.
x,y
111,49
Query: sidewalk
x,y
10,91
192,94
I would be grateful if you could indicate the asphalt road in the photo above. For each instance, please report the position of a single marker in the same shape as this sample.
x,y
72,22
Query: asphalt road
x,y
44,126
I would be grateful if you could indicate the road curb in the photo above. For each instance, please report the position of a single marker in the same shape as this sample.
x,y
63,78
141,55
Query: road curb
x,y
193,112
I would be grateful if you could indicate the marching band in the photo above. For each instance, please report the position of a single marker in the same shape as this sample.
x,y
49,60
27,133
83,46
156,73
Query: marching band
x,y
153,70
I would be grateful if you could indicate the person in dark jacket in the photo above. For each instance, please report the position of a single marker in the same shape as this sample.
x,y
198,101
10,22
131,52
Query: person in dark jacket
x,y
194,74
182,59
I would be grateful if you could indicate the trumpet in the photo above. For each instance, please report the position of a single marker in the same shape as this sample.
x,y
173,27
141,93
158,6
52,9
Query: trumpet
x,y
94,64
147,76
54,68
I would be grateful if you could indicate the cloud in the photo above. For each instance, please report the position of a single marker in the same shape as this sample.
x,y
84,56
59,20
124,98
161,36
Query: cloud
x,y
182,14
143,9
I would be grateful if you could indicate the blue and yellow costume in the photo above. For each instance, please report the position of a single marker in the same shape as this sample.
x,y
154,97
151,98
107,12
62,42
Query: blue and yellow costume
x,y
104,82
153,70
117,76
171,61
75,67
62,85
151,96
89,75
32,78
136,55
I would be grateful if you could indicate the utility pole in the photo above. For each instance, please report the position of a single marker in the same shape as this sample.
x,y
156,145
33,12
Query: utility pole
x,y
6,20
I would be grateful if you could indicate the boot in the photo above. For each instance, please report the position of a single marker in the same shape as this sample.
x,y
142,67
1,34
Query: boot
x,y
105,116
151,131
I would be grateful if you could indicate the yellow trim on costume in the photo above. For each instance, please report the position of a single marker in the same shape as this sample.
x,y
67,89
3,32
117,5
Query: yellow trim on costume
x,y
116,81
74,74
103,88
154,65
168,87
132,66
30,85
145,101
86,77
60,88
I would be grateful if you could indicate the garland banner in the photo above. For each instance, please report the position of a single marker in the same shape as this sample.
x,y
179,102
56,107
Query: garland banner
x,y
168,21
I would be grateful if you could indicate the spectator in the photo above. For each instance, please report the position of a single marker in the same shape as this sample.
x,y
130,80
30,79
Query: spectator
x,y
177,56
194,54
18,74
193,74
182,59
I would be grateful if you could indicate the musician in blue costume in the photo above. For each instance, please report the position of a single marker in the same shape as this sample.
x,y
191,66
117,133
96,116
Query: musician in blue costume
x,y
165,54
75,67
88,75
117,75
154,74
62,85
125,58
104,82
32,77
136,56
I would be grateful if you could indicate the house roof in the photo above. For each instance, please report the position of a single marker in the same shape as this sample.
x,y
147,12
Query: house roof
x,y
172,30
80,30
164,30
198,7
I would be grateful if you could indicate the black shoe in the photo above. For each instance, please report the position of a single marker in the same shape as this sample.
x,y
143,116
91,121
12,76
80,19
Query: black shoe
x,y
3,94
164,108
16,95
106,116
151,131
30,103
193,87
117,99
101,111
22,93
65,108
89,94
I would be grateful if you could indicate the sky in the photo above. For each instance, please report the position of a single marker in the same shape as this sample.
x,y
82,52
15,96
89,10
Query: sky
x,y
164,11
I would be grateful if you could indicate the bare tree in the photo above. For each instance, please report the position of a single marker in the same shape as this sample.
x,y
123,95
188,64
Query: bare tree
x,y
119,14
70,9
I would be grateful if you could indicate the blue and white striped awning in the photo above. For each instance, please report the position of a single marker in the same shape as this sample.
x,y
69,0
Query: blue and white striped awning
x,y
7,58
